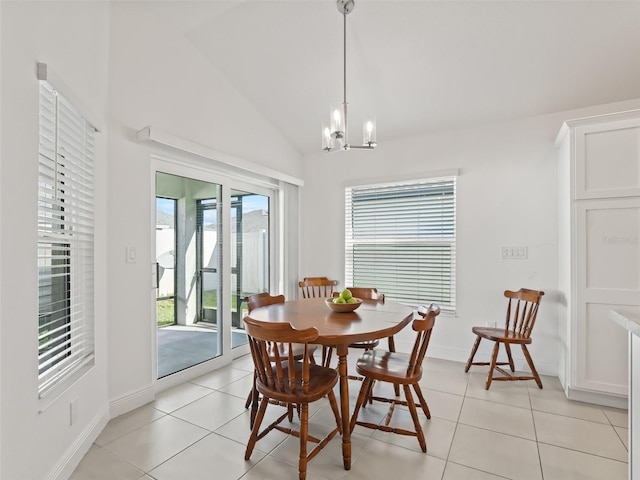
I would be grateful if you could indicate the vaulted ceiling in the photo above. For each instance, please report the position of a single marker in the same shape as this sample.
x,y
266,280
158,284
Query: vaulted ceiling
x,y
417,66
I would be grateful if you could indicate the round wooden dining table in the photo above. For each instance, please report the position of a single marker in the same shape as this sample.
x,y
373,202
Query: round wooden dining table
x,y
371,321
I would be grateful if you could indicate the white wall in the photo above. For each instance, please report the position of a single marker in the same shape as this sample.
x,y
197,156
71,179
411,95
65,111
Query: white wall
x,y
506,196
157,78
72,38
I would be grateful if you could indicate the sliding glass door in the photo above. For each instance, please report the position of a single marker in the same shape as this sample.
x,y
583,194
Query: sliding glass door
x,y
213,248
190,334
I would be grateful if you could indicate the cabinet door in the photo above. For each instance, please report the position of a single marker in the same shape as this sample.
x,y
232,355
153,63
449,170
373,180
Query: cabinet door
x,y
608,277
608,159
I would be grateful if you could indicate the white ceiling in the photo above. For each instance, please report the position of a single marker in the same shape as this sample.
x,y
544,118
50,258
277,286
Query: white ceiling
x,y
418,66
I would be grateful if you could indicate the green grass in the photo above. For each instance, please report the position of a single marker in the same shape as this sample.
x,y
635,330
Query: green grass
x,y
165,312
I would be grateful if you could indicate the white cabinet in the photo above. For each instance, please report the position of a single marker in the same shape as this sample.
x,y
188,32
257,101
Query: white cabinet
x,y
599,252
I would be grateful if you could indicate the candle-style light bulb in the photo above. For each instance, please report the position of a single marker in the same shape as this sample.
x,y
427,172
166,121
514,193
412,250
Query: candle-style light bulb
x,y
337,121
327,141
369,133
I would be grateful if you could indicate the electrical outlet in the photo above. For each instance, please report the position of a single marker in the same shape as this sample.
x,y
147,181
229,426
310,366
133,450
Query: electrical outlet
x,y
514,253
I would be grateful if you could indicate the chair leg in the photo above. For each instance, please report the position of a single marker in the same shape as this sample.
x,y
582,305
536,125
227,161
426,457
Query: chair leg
x,y
362,397
253,438
473,353
414,415
423,402
369,394
336,413
254,404
507,347
249,399
533,369
494,359
304,431
250,396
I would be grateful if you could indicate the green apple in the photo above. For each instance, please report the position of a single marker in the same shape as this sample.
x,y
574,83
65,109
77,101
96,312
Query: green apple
x,y
352,300
339,300
346,294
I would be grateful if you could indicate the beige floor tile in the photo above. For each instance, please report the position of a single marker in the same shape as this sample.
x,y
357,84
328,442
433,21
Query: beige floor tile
x,y
178,397
271,469
444,365
443,405
498,417
328,463
623,433
515,394
100,464
444,380
240,388
453,471
576,440
503,455
548,383
221,378
127,423
156,442
617,417
438,434
372,413
556,402
244,363
211,411
212,457
385,461
239,431
562,464
580,435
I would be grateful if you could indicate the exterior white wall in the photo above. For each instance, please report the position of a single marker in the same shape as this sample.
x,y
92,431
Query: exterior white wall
x,y
38,441
157,78
506,196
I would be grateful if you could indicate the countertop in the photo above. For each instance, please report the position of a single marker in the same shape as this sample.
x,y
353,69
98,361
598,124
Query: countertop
x,y
628,318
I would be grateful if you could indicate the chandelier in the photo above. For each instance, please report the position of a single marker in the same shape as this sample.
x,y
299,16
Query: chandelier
x,y
335,136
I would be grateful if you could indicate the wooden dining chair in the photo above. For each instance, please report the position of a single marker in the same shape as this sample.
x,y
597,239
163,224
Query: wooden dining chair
x,y
522,310
317,287
263,300
291,381
401,370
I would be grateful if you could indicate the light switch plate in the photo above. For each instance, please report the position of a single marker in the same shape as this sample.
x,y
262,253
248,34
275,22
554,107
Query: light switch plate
x,y
131,254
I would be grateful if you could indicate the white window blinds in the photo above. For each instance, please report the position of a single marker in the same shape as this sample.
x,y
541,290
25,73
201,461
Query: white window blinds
x,y
65,240
401,239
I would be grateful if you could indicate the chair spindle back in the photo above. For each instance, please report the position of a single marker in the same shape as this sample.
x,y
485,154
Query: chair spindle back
x,y
317,287
423,328
522,310
273,368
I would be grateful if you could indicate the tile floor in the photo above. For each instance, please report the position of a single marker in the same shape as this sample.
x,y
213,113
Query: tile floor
x,y
198,430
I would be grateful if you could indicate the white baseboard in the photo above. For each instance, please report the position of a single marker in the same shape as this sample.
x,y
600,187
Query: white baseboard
x,y
598,398
131,401
72,457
